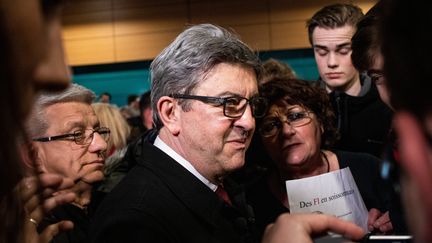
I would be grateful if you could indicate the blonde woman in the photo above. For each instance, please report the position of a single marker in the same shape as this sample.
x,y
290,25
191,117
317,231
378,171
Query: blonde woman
x,y
111,117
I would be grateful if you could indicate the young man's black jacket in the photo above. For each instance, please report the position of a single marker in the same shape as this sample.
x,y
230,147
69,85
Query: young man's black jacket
x,y
363,121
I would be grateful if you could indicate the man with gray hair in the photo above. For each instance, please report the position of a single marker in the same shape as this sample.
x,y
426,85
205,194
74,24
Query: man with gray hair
x,y
67,140
205,99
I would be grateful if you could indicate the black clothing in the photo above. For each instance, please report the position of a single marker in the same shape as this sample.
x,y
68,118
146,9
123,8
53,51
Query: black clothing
x,y
265,204
160,201
120,168
363,121
364,168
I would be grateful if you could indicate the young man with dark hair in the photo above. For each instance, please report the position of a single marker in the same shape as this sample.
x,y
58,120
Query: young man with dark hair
x,y
363,120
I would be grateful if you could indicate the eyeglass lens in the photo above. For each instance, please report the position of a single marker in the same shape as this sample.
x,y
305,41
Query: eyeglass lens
x,y
86,136
272,125
235,107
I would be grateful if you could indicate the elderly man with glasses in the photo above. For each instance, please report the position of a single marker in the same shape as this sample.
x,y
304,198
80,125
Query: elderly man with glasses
x,y
67,140
205,101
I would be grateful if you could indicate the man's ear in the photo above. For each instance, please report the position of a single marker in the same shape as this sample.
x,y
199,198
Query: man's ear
x,y
30,155
169,112
415,154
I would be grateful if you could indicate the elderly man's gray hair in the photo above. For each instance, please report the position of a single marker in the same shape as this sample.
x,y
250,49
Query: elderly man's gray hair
x,y
192,55
37,124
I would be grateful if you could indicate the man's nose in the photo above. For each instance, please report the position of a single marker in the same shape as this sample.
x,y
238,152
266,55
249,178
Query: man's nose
x,y
332,60
98,143
247,121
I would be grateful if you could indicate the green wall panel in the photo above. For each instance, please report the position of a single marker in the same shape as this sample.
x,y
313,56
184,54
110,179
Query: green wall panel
x,y
123,79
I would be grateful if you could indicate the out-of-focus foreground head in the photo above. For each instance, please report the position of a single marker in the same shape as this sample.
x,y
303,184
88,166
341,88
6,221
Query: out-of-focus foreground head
x,y
408,72
407,60
366,49
366,43
32,58
31,48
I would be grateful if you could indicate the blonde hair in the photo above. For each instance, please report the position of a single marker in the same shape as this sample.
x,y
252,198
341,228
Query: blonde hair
x,y
110,116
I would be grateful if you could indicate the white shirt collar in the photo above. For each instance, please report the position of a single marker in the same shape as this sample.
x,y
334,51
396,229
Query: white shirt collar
x,y
183,162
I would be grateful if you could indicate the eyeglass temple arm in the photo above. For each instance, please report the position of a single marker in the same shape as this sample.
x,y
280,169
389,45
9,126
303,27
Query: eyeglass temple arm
x,y
47,139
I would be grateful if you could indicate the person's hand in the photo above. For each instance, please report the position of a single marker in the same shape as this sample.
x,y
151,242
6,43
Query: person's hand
x,y
379,222
40,195
302,227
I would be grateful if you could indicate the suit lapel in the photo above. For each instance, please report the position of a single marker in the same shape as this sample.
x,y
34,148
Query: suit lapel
x,y
194,194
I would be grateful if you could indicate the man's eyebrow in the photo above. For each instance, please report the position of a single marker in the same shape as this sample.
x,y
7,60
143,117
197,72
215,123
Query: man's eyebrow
x,y
231,94
321,47
343,45
340,46
79,124
228,94
69,126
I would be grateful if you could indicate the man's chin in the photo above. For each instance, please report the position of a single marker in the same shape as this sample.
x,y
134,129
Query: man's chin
x,y
93,177
237,162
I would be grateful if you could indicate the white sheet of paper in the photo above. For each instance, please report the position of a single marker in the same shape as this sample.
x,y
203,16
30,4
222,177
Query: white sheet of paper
x,y
333,193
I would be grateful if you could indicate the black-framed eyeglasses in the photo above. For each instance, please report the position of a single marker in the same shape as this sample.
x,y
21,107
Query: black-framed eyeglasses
x,y
80,137
233,106
273,124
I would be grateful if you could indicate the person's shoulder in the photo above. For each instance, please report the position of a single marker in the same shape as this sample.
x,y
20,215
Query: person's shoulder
x,y
351,154
131,197
371,95
373,98
140,147
135,172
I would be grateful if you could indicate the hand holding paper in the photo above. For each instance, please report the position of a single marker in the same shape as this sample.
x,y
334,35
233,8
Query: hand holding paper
x,y
379,222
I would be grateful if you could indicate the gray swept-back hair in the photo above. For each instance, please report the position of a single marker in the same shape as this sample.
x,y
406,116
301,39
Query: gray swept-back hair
x,y
37,123
181,66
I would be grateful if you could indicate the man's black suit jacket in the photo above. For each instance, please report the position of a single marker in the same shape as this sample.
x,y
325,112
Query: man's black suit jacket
x,y
160,201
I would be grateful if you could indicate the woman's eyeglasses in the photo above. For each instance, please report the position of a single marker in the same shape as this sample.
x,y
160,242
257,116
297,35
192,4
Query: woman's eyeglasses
x,y
272,125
